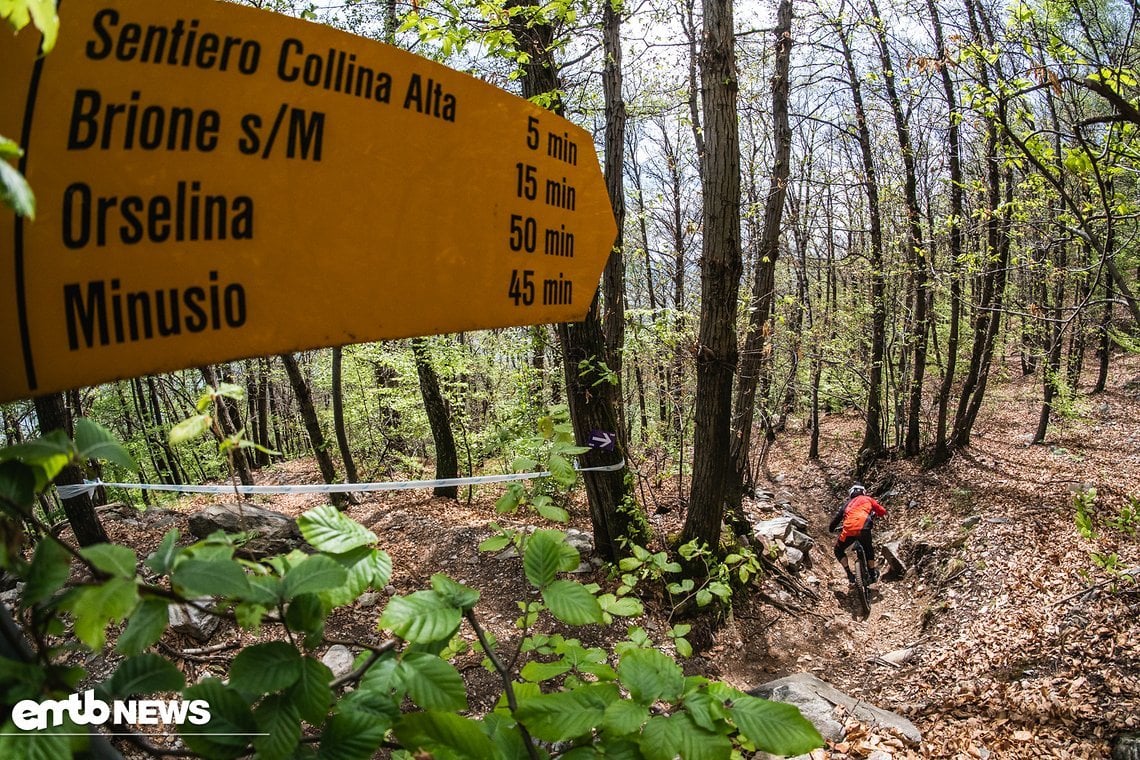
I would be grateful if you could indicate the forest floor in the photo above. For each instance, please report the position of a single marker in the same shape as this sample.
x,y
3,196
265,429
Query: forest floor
x,y
1023,646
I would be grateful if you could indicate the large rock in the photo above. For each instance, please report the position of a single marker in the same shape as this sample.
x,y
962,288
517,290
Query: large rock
x,y
894,557
817,701
272,532
191,621
779,528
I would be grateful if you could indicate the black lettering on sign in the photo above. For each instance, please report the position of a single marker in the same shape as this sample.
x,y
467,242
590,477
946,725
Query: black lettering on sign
x,y
188,214
429,99
181,44
134,124
102,313
336,70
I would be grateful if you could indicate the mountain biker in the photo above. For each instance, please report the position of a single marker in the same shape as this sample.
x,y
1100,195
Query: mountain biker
x,y
856,518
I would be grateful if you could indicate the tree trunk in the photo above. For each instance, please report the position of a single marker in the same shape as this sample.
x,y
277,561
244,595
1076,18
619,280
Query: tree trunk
x,y
872,445
721,266
915,247
593,401
446,456
350,473
764,284
313,427
80,510
229,423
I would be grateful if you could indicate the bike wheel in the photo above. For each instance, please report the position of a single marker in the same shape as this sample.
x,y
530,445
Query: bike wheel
x,y
862,593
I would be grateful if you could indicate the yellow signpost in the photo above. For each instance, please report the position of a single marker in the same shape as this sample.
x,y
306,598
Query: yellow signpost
x,y
215,182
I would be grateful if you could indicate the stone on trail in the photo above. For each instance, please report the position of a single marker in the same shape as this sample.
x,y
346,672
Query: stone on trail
x,y
817,701
273,533
339,660
894,557
191,621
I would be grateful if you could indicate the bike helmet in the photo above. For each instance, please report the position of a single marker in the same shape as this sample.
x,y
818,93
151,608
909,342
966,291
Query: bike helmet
x,y
856,490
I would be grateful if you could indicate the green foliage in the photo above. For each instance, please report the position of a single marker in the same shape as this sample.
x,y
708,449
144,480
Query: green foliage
x,y
1083,502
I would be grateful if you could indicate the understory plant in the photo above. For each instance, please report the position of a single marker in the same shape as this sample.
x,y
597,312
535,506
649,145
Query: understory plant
x,y
276,699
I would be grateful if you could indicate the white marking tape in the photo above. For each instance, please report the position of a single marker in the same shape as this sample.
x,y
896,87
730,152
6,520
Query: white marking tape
x,y
89,486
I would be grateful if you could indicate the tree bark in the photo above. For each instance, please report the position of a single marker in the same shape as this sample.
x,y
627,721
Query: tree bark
x,y
593,400
721,268
764,283
350,473
80,510
313,427
446,455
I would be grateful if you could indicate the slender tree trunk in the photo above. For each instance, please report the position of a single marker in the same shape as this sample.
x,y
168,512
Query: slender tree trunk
x,y
941,451
594,401
320,446
446,455
721,266
350,473
226,421
80,510
1105,345
613,278
872,445
764,284
915,246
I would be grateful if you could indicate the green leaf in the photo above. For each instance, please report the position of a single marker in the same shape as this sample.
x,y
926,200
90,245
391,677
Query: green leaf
x,y
45,18
494,543
706,710
47,456
96,442
264,668
456,594
552,512
650,675
307,615
96,606
279,720
115,560
15,192
422,617
774,726
317,573
365,567
624,717
189,429
162,559
626,606
146,626
352,735
49,570
9,149
547,554
211,577
145,673
231,725
49,744
565,715
572,603
665,738
523,464
311,694
562,471
17,488
230,390
543,671
430,731
328,530
432,683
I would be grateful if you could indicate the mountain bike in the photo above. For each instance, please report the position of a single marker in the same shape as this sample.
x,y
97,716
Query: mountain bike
x,y
862,580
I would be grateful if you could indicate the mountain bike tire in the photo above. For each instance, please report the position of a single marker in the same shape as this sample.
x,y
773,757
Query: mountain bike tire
x,y
862,592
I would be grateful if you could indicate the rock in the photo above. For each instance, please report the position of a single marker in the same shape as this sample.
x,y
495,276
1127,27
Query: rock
x,y
793,558
899,656
273,533
1127,748
339,660
798,540
368,599
817,699
191,621
894,558
971,521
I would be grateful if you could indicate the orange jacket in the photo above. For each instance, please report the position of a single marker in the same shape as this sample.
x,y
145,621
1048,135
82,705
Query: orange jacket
x,y
857,516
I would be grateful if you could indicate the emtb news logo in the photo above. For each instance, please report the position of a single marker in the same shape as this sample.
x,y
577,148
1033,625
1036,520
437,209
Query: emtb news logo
x,y
86,710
